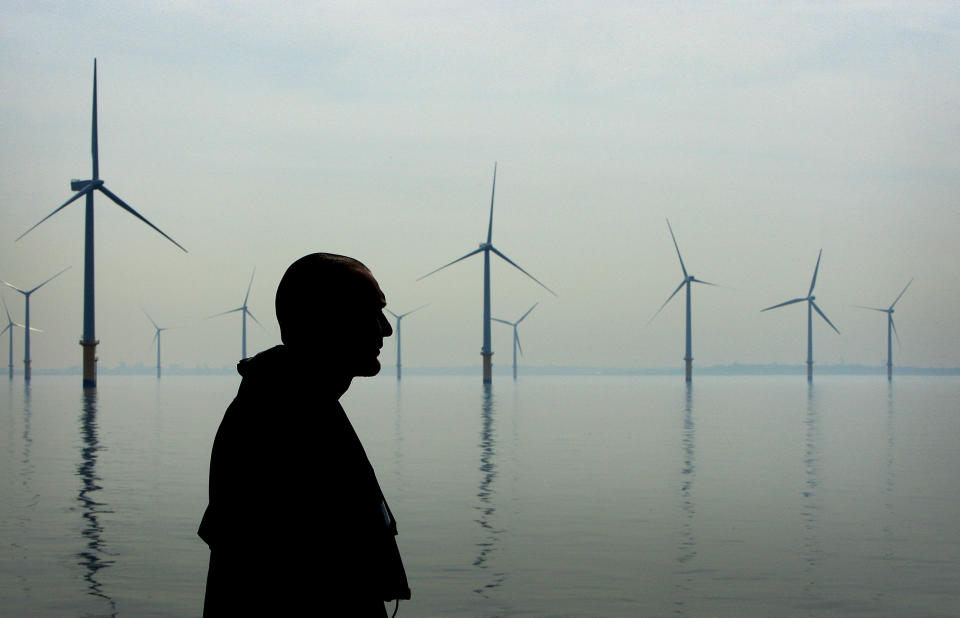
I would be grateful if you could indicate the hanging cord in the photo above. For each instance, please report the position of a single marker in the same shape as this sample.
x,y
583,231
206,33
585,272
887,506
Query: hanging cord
x,y
396,608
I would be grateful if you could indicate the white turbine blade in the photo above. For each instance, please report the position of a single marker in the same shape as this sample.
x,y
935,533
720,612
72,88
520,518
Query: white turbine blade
x,y
872,308
502,321
789,302
822,315
249,285
695,280
5,309
813,282
527,313
901,293
6,328
679,287
684,268
87,189
8,284
36,330
411,311
394,314
516,337
136,214
223,313
149,318
493,192
515,265
48,281
156,336
250,313
474,252
895,333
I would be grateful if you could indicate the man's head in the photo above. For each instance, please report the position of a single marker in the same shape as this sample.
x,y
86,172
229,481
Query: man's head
x,y
331,308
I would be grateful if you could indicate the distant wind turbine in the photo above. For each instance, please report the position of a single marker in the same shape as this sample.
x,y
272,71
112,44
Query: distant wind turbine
x,y
811,306
26,327
86,188
891,327
244,312
9,326
516,336
687,280
399,319
156,338
486,248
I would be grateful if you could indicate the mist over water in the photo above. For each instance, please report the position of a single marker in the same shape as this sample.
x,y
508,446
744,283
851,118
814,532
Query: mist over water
x,y
606,496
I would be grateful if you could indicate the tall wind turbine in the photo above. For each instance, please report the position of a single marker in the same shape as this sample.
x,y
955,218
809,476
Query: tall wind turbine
x,y
86,188
891,327
244,311
26,326
9,326
811,306
399,319
687,280
516,336
486,248
156,338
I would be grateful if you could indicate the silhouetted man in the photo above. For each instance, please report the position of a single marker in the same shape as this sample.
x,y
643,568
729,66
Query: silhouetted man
x,y
297,523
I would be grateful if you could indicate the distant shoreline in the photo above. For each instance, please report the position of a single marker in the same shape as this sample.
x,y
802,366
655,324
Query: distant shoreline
x,y
735,369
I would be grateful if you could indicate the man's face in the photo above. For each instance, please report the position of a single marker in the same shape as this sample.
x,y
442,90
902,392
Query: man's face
x,y
361,328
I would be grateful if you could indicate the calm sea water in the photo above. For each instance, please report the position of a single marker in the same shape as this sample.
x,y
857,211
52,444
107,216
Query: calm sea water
x,y
554,496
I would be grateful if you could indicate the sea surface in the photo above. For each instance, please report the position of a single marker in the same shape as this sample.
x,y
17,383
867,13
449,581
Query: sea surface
x,y
550,496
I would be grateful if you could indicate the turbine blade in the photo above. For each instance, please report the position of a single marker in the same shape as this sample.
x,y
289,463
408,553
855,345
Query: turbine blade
x,y
813,282
515,265
393,314
223,313
48,281
677,248
516,337
789,302
901,293
250,313
149,318
90,187
8,284
5,309
6,328
527,313
36,330
155,336
492,193
411,311
895,333
679,287
872,308
94,149
823,315
502,321
695,280
136,214
474,252
249,285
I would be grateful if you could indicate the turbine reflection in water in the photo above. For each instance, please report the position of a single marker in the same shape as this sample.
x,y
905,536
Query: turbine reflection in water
x,y
92,556
810,507
687,547
485,492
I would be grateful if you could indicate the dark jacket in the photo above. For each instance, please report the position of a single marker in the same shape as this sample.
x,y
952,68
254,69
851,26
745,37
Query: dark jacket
x,y
295,514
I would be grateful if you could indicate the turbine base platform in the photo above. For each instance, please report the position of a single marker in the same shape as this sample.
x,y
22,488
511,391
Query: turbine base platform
x,y
90,363
487,367
26,370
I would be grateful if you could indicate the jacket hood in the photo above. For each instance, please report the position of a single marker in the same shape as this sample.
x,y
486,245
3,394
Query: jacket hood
x,y
265,364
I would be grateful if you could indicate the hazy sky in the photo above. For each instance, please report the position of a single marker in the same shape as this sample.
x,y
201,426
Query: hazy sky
x,y
253,133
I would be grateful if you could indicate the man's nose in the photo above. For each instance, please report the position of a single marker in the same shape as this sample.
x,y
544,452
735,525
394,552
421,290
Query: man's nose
x,y
385,327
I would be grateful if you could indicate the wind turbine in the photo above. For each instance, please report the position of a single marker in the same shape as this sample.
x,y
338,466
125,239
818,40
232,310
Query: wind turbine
x,y
9,326
811,306
244,312
26,327
890,327
86,188
687,280
399,319
516,336
156,338
486,248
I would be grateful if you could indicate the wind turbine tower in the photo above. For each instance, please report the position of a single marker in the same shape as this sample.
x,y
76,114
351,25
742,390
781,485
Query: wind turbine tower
x,y
486,248
156,338
9,326
811,307
891,329
516,336
399,320
244,312
26,326
687,280
86,188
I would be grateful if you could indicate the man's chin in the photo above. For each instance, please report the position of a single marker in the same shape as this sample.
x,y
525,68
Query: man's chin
x,y
369,369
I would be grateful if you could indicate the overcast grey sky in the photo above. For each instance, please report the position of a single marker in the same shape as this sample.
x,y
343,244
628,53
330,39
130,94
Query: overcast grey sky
x,y
253,133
